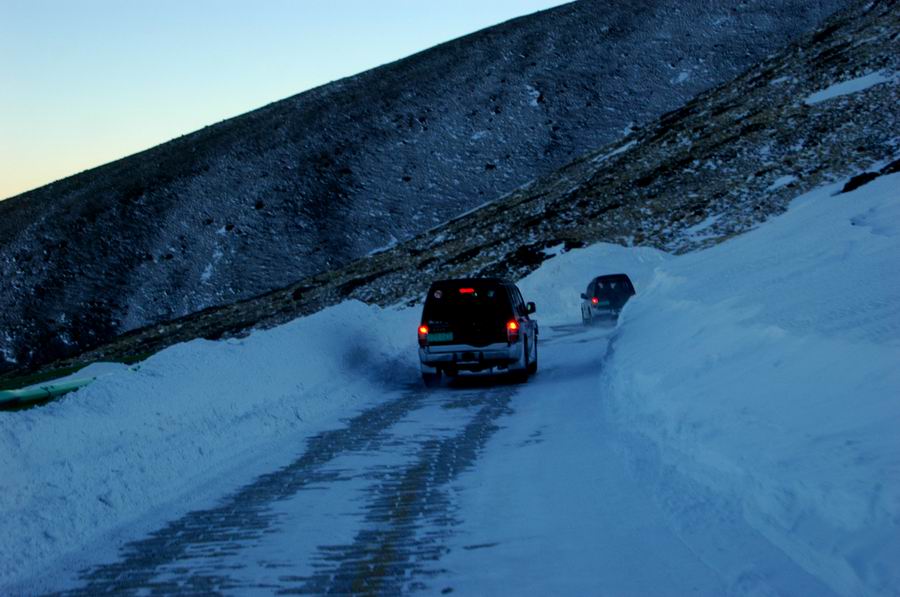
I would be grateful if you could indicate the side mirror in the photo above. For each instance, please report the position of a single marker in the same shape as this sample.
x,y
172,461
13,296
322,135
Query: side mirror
x,y
584,296
530,308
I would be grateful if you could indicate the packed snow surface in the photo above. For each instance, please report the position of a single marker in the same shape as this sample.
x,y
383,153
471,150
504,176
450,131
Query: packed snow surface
x,y
751,385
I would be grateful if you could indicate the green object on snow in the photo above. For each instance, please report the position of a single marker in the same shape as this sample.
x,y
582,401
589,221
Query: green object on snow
x,y
42,391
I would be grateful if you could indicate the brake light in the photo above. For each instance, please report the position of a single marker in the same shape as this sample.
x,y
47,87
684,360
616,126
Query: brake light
x,y
423,335
595,300
467,291
512,331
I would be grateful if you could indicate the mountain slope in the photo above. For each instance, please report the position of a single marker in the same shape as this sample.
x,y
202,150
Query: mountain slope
x,y
716,167
307,184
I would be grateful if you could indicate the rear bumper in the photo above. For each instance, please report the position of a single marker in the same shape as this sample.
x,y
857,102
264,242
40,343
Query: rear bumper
x,y
601,312
463,357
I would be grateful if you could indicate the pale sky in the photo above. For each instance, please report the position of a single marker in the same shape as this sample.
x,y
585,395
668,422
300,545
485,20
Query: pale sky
x,y
86,82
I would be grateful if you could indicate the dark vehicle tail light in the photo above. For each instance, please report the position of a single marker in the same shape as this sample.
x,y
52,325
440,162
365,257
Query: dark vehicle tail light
x,y
512,331
594,300
467,291
423,335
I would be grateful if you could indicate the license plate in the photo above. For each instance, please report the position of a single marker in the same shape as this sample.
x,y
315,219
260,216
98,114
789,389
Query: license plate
x,y
603,303
440,336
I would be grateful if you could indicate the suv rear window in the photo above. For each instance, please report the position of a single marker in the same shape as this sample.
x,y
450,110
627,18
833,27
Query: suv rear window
x,y
613,284
467,301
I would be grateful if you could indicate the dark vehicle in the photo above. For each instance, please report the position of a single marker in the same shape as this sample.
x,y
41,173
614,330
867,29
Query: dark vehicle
x,y
476,324
605,297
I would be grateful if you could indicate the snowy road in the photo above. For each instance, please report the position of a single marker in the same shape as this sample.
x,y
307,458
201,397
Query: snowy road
x,y
479,487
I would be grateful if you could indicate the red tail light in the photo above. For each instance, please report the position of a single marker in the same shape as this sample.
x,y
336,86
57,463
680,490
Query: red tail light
x,y
423,335
595,300
512,330
467,291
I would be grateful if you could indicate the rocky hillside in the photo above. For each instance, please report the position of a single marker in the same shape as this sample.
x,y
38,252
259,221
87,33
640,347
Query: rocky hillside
x,y
308,184
825,109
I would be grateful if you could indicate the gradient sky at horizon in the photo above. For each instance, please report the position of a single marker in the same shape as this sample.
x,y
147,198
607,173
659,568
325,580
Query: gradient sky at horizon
x,y
84,83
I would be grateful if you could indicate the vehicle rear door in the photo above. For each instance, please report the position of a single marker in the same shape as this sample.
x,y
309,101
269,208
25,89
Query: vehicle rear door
x,y
471,313
619,291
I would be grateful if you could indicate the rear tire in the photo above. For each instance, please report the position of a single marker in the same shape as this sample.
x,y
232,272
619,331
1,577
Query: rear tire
x,y
587,319
521,375
432,380
533,364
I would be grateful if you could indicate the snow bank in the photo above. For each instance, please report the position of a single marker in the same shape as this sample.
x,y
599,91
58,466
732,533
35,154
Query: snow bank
x,y
767,370
135,439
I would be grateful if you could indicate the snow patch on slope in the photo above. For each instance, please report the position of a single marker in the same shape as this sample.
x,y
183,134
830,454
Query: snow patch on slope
x,y
781,181
852,86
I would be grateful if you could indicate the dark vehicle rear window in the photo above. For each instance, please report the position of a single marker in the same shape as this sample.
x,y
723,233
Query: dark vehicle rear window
x,y
466,301
613,284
